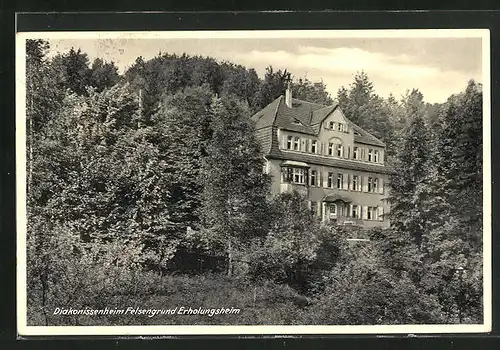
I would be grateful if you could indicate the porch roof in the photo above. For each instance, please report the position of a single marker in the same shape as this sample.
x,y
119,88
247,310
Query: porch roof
x,y
335,197
295,164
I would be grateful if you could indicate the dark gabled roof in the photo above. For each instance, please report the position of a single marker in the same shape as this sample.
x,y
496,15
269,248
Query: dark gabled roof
x,y
266,116
363,136
304,117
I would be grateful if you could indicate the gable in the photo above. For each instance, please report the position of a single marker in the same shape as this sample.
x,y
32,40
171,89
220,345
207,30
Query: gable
x,y
335,117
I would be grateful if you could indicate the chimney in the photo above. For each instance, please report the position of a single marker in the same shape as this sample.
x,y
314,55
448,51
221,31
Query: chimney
x,y
288,95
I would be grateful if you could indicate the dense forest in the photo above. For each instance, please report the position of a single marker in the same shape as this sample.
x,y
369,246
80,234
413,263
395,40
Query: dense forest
x,y
146,189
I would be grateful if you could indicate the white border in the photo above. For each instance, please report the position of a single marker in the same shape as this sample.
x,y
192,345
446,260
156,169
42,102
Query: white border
x,y
25,330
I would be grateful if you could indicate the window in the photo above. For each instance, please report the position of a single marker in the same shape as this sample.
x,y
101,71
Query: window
x,y
314,207
314,177
296,144
339,151
298,175
370,155
289,141
331,125
340,127
355,182
340,180
330,149
371,213
355,153
330,180
354,212
372,184
375,156
314,146
333,209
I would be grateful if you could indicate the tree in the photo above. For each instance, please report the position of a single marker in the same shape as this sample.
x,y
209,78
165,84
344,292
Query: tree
x,y
359,94
274,85
306,90
460,157
409,183
75,71
362,106
103,74
362,290
234,186
182,127
240,82
291,244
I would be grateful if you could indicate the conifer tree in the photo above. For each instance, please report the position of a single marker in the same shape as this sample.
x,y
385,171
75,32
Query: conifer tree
x,y
409,182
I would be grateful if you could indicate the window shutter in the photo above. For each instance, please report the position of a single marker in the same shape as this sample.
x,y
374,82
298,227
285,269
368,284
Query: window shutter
x,y
348,152
284,141
365,183
358,212
348,182
325,179
306,176
380,213
365,212
309,145
303,145
349,214
345,182
380,186
381,156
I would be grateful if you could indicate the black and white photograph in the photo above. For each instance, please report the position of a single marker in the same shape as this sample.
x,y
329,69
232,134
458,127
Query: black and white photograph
x,y
253,182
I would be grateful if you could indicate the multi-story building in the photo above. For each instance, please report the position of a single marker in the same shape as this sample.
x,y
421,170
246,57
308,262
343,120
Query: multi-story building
x,y
315,150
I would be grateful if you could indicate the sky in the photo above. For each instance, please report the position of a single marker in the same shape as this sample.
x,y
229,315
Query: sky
x,y
438,67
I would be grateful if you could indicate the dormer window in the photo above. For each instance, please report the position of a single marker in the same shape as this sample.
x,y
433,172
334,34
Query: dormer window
x,y
375,156
289,142
296,121
356,133
370,155
355,153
